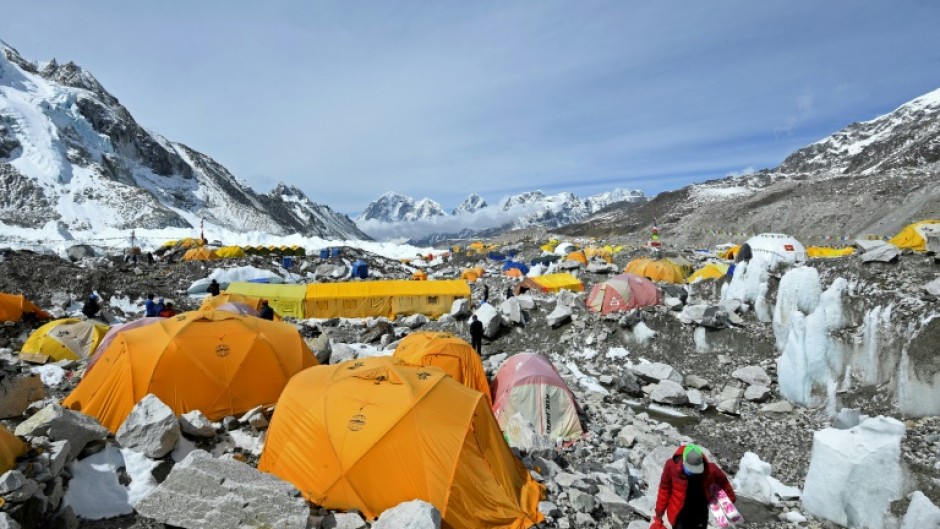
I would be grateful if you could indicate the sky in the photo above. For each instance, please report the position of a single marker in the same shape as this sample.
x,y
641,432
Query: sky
x,y
349,100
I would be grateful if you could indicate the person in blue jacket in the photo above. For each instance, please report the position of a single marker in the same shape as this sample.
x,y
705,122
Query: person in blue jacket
x,y
150,308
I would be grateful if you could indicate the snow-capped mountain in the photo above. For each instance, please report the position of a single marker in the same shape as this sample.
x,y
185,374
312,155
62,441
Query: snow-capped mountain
x,y
553,211
71,154
394,207
471,204
872,177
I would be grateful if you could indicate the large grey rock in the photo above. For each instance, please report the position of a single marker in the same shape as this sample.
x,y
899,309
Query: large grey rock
x,y
559,316
223,494
415,320
781,406
415,514
729,400
865,244
56,455
526,301
489,317
692,314
697,382
151,428
16,394
612,502
933,288
78,252
757,393
460,308
651,470
886,253
60,424
343,520
342,352
15,487
511,310
669,392
7,522
658,372
752,375
196,423
321,347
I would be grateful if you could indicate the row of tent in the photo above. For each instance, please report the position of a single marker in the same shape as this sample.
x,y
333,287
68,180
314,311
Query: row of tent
x,y
204,253
374,448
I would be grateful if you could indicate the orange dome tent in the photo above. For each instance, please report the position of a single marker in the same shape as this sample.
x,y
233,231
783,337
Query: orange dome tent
x,y
419,275
200,253
10,449
218,362
578,256
212,302
369,434
472,274
444,350
663,270
14,306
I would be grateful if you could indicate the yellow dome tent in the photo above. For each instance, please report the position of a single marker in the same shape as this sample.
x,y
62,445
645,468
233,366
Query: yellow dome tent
x,y
218,362
451,354
550,283
914,236
10,449
729,253
577,255
472,274
190,242
66,339
663,270
230,252
816,252
14,306
603,253
369,434
709,271
200,254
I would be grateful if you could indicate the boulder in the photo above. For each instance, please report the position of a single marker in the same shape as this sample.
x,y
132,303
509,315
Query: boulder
x,y
729,400
526,301
15,487
933,288
460,308
697,382
196,424
864,244
669,392
255,418
781,406
854,475
692,314
612,502
565,297
321,347
757,393
886,253
202,491
560,316
415,514
343,520
511,310
151,428
491,320
658,372
921,513
16,394
752,375
78,252
7,522
60,424
415,321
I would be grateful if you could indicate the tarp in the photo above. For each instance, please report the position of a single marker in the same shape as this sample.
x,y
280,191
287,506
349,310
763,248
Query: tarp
x,y
527,383
230,252
709,271
369,434
66,339
623,292
914,236
365,299
14,306
200,254
496,256
10,449
816,252
665,270
551,283
451,354
286,300
216,362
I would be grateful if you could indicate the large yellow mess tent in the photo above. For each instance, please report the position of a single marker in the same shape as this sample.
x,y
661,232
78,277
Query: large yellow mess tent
x,y
709,271
10,449
286,300
14,306
449,353
66,339
230,252
551,283
356,435
200,253
218,362
365,299
664,270
817,252
914,236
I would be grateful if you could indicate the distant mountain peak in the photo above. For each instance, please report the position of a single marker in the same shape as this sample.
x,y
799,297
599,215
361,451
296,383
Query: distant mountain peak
x,y
471,204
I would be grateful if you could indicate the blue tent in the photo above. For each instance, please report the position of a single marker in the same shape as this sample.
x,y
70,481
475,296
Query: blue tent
x,y
515,264
360,269
496,256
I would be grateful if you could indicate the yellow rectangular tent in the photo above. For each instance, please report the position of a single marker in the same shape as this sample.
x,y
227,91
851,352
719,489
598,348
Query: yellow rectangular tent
x,y
553,283
286,300
364,299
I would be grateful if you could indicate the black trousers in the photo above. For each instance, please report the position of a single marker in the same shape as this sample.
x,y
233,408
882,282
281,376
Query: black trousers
x,y
477,344
687,524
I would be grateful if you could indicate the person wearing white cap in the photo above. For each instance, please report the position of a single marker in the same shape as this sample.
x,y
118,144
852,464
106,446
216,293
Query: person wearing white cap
x,y
687,485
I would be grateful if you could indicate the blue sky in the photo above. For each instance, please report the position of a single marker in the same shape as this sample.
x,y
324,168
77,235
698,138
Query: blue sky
x,y
348,100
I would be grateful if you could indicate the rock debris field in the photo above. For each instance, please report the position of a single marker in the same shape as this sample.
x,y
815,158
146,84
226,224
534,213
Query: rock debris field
x,y
816,388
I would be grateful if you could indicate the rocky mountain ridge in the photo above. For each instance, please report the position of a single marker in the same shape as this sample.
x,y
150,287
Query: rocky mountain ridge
x,y
71,154
872,177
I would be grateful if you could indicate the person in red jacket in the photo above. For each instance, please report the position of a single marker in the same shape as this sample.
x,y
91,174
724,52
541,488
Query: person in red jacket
x,y
686,488
167,312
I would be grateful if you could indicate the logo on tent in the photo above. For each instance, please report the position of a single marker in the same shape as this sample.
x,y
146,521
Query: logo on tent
x,y
423,375
356,422
222,350
356,365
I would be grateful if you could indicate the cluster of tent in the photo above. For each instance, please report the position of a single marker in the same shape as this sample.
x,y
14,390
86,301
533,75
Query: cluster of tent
x,y
204,253
365,434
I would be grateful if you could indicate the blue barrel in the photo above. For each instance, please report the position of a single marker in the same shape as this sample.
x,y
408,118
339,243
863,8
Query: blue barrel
x,y
334,252
325,253
288,262
730,272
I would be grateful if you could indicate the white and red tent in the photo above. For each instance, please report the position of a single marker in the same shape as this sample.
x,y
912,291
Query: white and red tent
x,y
528,384
623,292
